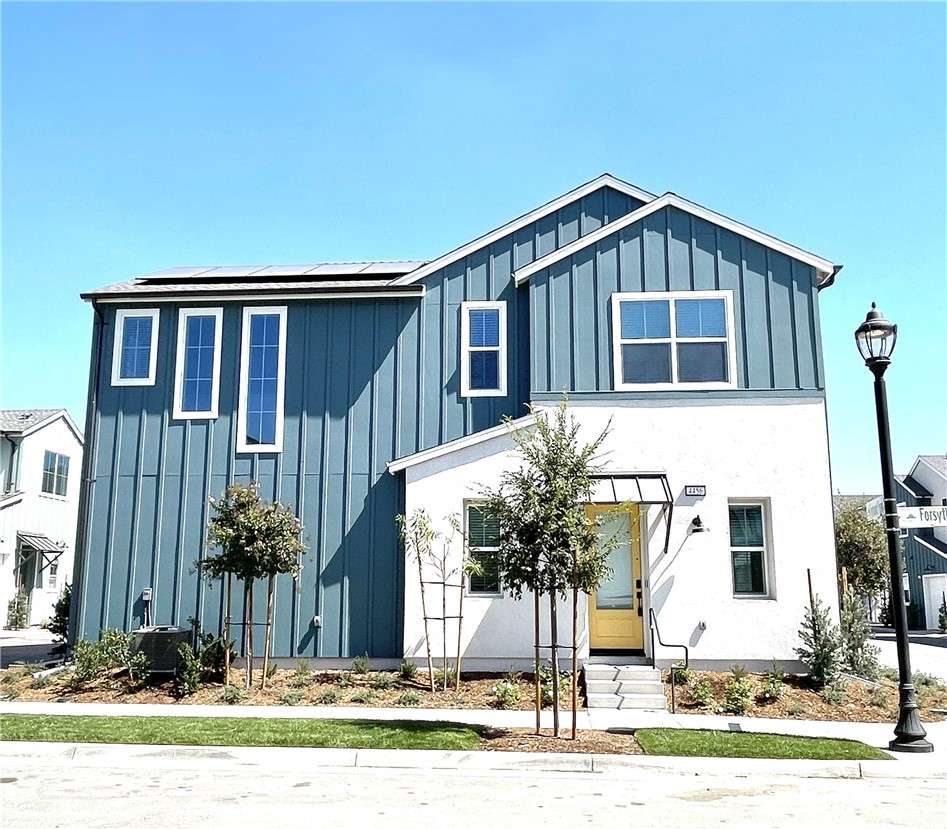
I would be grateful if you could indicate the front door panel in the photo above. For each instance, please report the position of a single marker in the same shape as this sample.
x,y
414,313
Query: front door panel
x,y
615,615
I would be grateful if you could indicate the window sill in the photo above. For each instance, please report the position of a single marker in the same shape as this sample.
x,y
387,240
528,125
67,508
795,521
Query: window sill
x,y
753,597
53,496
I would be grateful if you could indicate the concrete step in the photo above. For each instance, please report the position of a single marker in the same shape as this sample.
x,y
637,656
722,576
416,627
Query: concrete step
x,y
634,686
621,673
646,702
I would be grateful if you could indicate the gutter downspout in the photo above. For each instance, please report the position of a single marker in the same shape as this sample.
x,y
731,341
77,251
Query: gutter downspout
x,y
85,493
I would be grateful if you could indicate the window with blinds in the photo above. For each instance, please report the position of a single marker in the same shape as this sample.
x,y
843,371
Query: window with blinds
x,y
134,356
664,340
748,550
483,349
483,541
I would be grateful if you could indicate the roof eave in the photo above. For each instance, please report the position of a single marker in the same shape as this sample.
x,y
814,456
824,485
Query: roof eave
x,y
207,294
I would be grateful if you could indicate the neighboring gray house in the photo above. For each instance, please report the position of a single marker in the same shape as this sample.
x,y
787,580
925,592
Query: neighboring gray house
x,y
355,391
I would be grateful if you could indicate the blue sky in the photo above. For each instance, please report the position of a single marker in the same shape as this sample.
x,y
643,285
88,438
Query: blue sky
x,y
139,136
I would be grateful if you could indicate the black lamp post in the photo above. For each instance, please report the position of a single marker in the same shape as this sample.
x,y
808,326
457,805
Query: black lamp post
x,y
876,338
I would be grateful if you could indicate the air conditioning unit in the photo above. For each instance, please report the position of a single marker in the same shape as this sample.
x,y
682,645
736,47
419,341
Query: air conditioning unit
x,y
160,644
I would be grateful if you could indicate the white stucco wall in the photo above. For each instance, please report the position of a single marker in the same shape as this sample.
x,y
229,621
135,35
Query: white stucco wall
x,y
773,450
36,511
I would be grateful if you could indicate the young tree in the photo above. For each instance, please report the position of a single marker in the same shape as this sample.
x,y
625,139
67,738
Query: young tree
x,y
821,649
858,654
861,549
256,540
548,545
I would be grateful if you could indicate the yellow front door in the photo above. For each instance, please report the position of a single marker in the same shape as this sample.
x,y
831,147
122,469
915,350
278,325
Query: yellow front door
x,y
615,615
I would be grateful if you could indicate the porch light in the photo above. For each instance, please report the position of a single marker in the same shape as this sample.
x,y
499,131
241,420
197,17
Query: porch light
x,y
698,526
876,337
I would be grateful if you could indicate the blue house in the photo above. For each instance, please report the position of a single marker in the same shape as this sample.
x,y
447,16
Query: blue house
x,y
358,391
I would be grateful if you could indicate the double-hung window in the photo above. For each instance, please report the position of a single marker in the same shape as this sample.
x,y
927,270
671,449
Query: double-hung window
x,y
483,349
55,473
134,352
483,541
262,380
748,550
673,340
197,376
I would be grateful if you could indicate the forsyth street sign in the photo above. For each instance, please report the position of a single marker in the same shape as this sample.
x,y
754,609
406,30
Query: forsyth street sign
x,y
909,517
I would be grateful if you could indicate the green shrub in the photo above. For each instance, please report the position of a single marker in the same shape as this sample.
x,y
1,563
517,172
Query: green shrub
x,y
232,694
682,675
821,645
364,697
506,694
211,650
59,624
344,679
187,671
271,669
794,709
113,650
360,664
18,612
40,682
446,677
291,698
409,699
11,693
772,684
925,682
301,680
10,677
407,670
858,654
942,614
701,693
545,685
383,682
737,692
328,697
878,698
834,693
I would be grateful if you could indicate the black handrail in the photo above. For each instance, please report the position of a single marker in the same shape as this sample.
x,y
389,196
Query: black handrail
x,y
653,619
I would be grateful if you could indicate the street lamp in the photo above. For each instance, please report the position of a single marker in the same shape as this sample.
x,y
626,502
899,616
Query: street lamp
x,y
876,338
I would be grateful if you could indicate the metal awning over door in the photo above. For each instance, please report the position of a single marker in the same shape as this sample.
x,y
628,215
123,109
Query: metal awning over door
x,y
48,549
646,488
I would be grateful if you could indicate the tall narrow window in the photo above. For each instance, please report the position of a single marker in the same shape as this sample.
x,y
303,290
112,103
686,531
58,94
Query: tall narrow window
x,y
197,376
134,352
262,380
748,550
55,473
483,542
663,340
483,349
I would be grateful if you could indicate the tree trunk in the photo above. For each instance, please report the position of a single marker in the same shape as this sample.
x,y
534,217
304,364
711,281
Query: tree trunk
x,y
268,638
554,643
427,632
227,630
537,689
444,628
575,657
460,624
248,628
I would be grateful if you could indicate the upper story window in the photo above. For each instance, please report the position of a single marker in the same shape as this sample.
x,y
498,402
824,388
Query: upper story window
x,y
55,473
262,380
673,340
483,349
197,376
134,354
483,542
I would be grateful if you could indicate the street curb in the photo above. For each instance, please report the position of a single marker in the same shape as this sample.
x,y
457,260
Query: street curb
x,y
275,758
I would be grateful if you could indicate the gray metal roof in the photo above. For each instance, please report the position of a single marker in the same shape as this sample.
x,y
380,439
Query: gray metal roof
x,y
314,277
14,421
938,462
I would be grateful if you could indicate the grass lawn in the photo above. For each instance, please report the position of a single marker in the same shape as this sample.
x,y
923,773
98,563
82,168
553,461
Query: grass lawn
x,y
685,742
233,731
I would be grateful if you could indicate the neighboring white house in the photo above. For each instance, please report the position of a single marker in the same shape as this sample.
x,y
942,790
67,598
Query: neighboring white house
x,y
40,463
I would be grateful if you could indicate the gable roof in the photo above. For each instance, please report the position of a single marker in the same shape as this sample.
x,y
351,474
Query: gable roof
x,y
936,462
825,269
323,278
22,422
604,180
917,489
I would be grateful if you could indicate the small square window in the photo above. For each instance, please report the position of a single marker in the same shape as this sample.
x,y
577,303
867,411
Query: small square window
x,y
134,351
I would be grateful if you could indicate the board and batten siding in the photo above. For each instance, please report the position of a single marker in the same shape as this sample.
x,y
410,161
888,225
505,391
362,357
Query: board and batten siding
x,y
919,559
367,381
775,303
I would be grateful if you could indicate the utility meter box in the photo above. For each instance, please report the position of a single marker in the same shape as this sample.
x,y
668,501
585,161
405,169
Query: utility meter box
x,y
160,644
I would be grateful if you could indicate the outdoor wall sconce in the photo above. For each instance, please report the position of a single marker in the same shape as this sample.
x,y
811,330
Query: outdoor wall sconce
x,y
698,526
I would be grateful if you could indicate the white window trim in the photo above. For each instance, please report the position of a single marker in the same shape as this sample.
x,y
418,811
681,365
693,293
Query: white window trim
x,y
42,492
242,445
769,587
477,594
465,349
120,316
183,316
902,533
673,340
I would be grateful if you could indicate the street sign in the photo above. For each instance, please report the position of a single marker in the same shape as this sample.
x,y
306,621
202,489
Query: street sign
x,y
910,517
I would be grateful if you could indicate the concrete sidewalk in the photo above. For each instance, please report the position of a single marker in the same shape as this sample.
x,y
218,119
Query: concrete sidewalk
x,y
874,734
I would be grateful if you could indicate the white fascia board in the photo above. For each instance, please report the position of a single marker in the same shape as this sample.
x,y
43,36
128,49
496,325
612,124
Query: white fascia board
x,y
42,424
824,267
605,180
920,459
930,547
461,443
125,299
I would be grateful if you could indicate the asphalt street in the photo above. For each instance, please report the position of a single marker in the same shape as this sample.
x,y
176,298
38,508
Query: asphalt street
x,y
160,788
